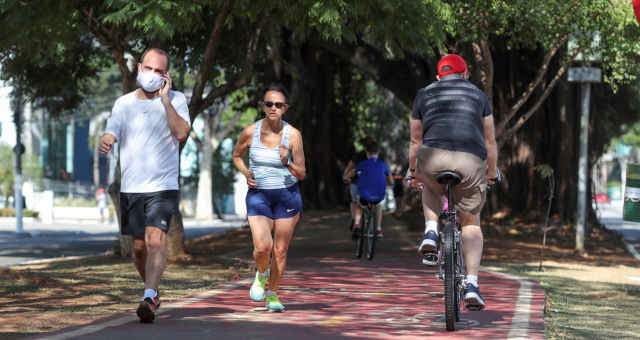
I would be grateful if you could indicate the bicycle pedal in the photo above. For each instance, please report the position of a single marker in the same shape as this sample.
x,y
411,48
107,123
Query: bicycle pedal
x,y
430,258
474,308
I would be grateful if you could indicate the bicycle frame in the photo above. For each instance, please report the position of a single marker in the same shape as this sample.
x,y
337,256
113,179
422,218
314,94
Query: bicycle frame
x,y
367,230
448,219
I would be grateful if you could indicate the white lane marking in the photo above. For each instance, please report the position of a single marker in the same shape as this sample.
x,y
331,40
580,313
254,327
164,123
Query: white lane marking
x,y
519,329
130,318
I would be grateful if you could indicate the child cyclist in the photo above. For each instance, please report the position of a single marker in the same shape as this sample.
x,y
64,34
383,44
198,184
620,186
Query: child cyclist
x,y
373,177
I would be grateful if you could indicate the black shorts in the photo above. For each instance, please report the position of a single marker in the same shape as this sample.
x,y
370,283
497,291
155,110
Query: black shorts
x,y
148,209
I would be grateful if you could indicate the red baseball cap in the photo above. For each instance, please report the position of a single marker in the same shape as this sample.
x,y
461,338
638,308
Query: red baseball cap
x,y
455,64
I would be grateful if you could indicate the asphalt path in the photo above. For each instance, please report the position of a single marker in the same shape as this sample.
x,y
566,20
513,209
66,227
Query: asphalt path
x,y
53,241
329,294
610,215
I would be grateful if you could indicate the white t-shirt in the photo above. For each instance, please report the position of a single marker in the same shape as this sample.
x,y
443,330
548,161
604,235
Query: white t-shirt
x,y
148,148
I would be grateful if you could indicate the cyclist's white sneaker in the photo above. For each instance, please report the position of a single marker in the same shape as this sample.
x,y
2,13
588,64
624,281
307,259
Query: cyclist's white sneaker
x,y
429,248
473,301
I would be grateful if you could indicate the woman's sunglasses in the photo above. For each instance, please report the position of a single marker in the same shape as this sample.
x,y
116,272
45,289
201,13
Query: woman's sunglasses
x,y
278,105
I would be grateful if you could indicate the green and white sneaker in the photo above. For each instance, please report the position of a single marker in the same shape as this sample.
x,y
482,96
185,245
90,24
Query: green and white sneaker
x,y
257,288
273,303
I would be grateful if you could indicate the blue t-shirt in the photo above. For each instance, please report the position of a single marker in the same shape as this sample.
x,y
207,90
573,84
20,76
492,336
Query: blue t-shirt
x,y
372,182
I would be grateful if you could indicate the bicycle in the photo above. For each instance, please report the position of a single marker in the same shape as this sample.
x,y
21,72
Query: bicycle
x,y
367,231
451,267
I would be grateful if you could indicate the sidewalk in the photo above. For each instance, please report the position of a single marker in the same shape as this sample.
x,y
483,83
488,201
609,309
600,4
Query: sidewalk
x,y
331,295
79,238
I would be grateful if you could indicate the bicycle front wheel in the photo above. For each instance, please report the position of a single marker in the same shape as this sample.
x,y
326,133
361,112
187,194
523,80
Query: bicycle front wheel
x,y
450,291
371,235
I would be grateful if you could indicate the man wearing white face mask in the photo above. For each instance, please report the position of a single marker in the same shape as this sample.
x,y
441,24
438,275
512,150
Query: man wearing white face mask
x,y
149,124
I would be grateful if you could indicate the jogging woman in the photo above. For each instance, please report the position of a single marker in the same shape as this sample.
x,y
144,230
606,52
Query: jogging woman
x,y
276,164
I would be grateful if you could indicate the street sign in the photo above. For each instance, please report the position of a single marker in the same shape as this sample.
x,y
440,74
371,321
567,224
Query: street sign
x,y
585,74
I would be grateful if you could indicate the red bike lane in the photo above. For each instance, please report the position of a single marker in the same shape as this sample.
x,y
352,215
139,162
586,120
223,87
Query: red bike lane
x,y
331,295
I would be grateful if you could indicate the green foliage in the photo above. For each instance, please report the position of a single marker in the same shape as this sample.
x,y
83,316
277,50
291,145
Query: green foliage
x,y
30,166
11,212
544,170
377,113
630,136
75,202
523,24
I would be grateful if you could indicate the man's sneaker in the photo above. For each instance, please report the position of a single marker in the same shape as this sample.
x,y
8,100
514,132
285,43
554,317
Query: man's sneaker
x,y
273,303
257,288
379,233
429,248
147,309
473,301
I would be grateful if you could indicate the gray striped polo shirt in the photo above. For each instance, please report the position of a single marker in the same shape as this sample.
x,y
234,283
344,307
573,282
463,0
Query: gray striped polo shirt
x,y
451,111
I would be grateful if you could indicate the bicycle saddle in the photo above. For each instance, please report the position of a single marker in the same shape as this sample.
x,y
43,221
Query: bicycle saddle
x,y
448,177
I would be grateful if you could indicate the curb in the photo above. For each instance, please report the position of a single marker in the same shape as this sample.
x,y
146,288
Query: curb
x,y
630,248
57,259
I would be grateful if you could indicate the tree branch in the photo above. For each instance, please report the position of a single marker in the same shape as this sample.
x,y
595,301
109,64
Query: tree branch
x,y
547,91
242,79
110,39
195,139
533,84
482,55
207,61
232,123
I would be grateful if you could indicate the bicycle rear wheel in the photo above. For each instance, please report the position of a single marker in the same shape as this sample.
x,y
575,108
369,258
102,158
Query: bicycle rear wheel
x,y
371,235
450,289
460,273
360,237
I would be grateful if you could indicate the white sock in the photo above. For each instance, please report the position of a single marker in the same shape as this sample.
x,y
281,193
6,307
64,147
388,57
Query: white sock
x,y
270,292
149,293
265,274
431,226
472,279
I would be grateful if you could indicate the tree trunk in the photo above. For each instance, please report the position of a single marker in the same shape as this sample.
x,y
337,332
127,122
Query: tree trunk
x,y
175,239
125,242
96,160
567,154
316,117
204,204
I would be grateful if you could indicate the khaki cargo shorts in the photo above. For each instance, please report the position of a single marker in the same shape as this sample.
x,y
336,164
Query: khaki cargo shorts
x,y
470,194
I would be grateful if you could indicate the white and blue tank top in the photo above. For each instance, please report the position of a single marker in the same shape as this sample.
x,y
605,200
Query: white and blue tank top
x,y
268,170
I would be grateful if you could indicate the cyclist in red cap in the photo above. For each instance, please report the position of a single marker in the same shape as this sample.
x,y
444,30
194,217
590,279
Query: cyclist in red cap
x,y
452,129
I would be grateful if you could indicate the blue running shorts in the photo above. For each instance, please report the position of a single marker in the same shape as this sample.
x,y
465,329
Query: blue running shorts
x,y
274,203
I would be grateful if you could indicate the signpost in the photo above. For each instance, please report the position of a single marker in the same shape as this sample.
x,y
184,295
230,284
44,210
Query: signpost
x,y
18,150
585,76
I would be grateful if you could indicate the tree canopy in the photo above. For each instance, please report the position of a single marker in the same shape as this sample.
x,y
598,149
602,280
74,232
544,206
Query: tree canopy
x,y
326,52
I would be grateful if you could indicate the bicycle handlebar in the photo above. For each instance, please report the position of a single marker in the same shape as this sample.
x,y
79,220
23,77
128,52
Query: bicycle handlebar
x,y
496,180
